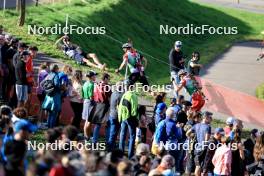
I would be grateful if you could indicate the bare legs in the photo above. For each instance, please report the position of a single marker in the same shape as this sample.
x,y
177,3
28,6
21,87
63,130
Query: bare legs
x,y
87,129
96,64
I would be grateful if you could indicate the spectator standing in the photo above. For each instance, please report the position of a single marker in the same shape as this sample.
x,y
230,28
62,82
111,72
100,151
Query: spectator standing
x,y
176,61
238,156
30,73
113,115
259,154
52,102
142,123
222,158
249,146
42,74
102,93
76,99
21,48
229,126
3,67
21,79
193,118
158,99
11,93
65,82
202,133
160,113
174,135
208,166
128,117
88,102
182,118
177,104
193,65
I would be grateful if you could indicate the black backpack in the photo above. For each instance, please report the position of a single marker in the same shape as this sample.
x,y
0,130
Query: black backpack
x,y
48,85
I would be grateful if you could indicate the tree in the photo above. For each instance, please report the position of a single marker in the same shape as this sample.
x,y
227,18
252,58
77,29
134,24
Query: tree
x,y
22,13
18,5
37,2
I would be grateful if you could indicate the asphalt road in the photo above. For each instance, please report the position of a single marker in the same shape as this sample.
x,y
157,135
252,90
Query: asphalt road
x,y
12,3
256,6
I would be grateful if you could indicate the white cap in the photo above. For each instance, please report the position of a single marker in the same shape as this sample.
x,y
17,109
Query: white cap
x,y
230,120
178,43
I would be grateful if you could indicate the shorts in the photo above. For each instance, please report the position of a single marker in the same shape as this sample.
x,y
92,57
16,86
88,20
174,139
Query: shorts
x,y
78,58
100,109
190,165
22,92
199,158
88,109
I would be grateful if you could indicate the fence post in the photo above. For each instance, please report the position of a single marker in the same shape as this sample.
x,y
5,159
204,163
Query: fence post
x,y
4,7
66,23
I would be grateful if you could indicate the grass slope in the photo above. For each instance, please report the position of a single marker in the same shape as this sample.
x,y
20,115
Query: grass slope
x,y
139,20
260,92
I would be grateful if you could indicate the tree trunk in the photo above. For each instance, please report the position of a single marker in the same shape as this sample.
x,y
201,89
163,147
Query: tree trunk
x,y
22,16
37,2
18,5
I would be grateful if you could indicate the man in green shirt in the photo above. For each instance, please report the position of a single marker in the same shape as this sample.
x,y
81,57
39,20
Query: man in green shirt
x,y
128,117
88,104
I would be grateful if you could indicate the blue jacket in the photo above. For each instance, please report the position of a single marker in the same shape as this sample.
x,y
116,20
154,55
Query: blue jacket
x,y
167,131
158,118
53,103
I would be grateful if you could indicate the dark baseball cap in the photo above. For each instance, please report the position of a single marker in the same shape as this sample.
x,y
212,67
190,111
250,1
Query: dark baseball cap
x,y
91,74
